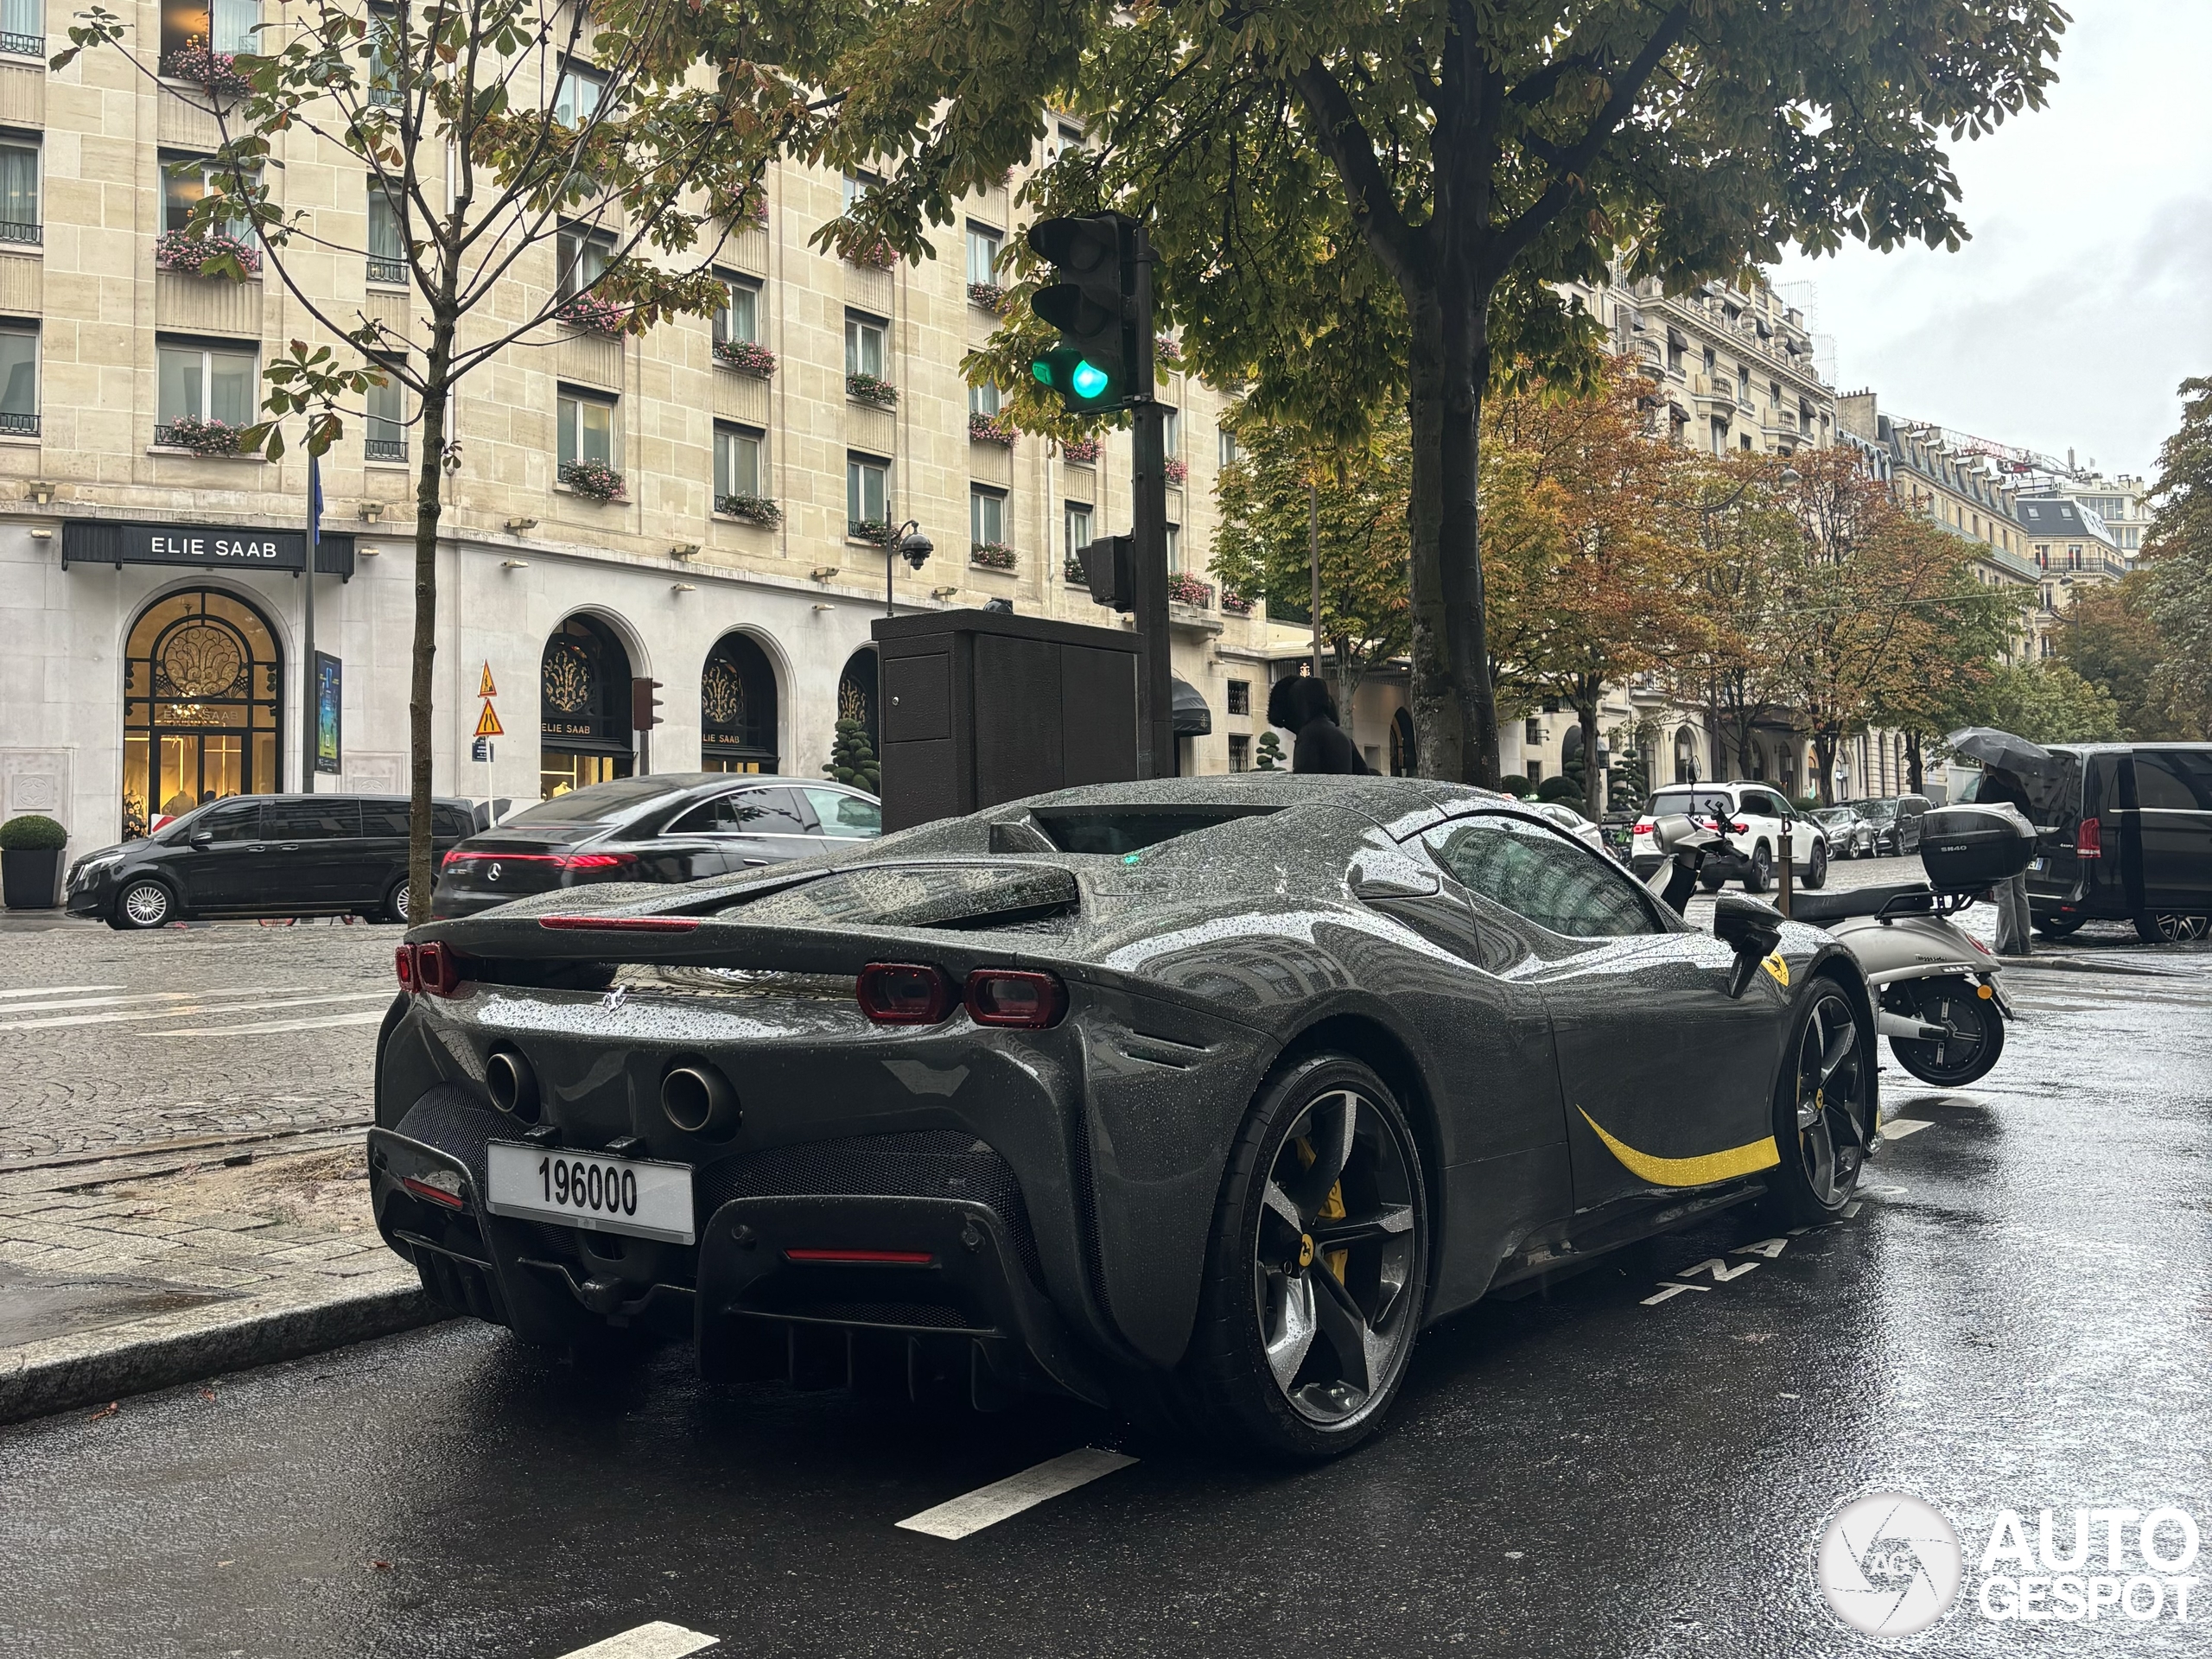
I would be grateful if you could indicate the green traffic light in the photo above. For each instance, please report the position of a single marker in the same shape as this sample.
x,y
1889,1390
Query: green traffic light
x,y
1089,379
1041,371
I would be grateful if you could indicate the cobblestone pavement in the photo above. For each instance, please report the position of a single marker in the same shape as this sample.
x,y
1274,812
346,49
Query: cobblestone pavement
x,y
115,1042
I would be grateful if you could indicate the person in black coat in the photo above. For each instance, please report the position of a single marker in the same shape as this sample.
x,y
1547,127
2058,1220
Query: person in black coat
x,y
1302,705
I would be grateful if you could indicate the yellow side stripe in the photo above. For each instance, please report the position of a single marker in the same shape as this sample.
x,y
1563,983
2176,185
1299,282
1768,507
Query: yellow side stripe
x,y
1701,1170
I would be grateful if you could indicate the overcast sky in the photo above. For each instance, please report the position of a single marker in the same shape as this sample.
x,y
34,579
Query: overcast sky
x,y
2082,300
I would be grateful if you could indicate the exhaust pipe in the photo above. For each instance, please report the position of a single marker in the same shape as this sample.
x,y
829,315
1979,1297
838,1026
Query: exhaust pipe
x,y
698,1100
511,1084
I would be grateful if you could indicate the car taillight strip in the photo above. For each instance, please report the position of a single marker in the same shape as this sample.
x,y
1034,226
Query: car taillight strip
x,y
559,860
864,1258
623,923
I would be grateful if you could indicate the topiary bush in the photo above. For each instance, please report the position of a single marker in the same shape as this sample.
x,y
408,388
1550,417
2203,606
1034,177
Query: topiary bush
x,y
1558,789
852,759
32,832
1513,783
1269,758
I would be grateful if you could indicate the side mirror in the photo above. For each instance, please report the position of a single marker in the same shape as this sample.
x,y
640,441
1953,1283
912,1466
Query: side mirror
x,y
204,838
1392,875
1749,927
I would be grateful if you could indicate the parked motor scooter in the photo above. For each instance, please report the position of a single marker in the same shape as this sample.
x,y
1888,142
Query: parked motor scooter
x,y
1939,991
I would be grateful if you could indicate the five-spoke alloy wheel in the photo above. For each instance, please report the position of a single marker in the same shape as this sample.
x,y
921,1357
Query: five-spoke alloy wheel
x,y
1824,1110
1318,1269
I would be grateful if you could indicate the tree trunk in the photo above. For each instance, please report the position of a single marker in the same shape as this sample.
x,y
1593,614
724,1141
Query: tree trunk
x,y
1825,744
1913,762
1593,776
1455,707
430,479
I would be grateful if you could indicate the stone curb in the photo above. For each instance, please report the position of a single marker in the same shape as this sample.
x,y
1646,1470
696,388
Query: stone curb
x,y
94,1367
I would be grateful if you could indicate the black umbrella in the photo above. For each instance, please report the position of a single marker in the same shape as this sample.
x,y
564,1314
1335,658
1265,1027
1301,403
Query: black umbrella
x,y
1995,748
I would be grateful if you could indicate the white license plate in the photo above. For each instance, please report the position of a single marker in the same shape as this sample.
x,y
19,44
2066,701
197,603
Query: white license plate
x,y
591,1189
2039,866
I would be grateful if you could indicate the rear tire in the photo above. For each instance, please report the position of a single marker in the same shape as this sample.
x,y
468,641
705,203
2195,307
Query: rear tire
x,y
394,902
1317,1270
1762,870
142,905
1817,867
1712,880
1957,1005
2171,927
1823,1108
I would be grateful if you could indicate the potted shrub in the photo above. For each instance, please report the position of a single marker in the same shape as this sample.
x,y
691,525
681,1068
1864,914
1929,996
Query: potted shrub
x,y
30,862
991,555
1186,589
753,509
871,389
210,254
593,316
594,479
746,356
208,437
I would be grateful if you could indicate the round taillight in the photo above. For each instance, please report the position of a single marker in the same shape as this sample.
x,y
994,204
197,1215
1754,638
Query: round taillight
x,y
1006,997
904,993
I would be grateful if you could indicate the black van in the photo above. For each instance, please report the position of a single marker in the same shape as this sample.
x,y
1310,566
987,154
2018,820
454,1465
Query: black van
x,y
263,856
2128,838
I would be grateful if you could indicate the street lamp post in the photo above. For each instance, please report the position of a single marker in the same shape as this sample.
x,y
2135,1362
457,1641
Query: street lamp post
x,y
908,543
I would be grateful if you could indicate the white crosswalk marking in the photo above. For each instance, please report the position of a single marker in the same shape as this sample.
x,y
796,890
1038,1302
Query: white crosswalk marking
x,y
135,996
192,1007
55,990
360,1017
989,1505
658,1640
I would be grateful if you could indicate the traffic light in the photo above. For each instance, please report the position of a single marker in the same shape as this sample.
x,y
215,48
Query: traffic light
x,y
1107,566
643,705
1101,306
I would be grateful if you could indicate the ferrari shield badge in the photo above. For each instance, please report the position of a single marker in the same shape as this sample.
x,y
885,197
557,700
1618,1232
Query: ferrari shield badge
x,y
1774,964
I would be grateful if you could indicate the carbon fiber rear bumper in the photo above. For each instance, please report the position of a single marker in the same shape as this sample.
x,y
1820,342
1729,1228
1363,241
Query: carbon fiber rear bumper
x,y
824,1287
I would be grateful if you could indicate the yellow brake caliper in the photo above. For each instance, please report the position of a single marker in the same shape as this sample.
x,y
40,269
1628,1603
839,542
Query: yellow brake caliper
x,y
1332,1209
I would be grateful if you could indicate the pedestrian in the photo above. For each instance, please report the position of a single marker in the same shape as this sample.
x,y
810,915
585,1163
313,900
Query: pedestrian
x,y
2000,787
1302,705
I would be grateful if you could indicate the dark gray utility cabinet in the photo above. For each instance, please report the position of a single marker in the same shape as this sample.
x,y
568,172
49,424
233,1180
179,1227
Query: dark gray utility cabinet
x,y
980,707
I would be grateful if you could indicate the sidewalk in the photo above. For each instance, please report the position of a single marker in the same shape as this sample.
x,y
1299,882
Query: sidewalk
x,y
121,1274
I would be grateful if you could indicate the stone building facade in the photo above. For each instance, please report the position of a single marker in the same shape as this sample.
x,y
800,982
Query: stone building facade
x,y
152,597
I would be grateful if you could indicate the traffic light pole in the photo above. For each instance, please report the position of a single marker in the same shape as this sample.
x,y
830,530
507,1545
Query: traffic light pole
x,y
1156,756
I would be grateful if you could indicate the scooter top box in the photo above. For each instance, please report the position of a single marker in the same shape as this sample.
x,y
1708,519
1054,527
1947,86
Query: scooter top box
x,y
1965,849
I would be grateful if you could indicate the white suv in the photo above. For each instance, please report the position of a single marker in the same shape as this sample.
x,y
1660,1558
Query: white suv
x,y
1753,815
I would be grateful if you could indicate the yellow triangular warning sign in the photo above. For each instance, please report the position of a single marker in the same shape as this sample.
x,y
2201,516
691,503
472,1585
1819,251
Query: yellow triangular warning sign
x,y
484,687
487,724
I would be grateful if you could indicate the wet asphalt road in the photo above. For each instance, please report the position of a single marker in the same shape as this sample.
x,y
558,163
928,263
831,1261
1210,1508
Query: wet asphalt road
x,y
2017,1317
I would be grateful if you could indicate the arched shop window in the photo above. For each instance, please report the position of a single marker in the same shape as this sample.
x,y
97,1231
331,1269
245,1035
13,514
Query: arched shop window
x,y
583,712
1404,757
203,706
1685,756
856,695
737,708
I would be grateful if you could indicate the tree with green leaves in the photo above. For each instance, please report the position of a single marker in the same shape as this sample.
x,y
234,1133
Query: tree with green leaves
x,y
2110,636
612,149
1281,487
1357,204
2044,702
2178,555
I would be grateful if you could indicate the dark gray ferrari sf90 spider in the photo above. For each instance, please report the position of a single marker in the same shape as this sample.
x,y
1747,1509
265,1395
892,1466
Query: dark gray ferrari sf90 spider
x,y
1206,1094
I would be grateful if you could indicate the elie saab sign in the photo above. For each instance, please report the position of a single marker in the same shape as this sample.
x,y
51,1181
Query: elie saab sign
x,y
99,541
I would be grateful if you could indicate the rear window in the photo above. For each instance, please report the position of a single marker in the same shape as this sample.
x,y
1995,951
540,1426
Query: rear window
x,y
597,803
939,895
1689,803
1878,811
1129,829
